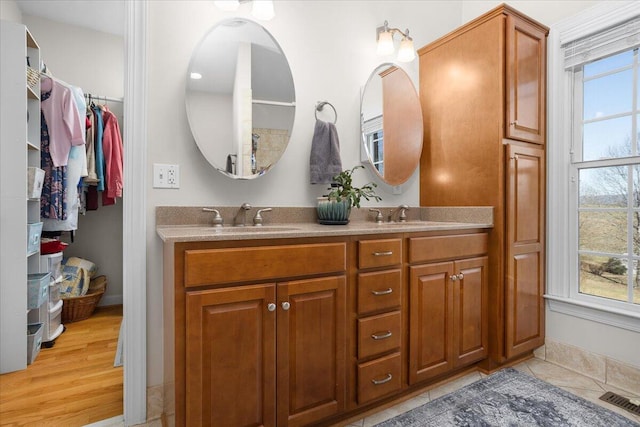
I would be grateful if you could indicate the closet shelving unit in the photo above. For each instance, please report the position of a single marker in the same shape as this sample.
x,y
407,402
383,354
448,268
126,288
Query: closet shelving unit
x,y
19,149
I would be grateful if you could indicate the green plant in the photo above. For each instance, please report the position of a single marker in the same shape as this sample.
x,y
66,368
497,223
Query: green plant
x,y
342,188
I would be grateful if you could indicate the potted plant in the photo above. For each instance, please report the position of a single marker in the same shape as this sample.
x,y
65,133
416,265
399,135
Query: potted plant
x,y
335,207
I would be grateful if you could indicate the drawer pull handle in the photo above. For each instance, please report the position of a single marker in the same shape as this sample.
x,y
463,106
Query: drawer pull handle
x,y
385,253
381,335
385,292
382,381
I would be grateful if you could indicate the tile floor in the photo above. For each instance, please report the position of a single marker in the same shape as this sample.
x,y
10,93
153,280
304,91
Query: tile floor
x,y
566,379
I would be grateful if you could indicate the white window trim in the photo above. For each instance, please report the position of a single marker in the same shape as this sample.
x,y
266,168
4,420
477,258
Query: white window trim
x,y
559,257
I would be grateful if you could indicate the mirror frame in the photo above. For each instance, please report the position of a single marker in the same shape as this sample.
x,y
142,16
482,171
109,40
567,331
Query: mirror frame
x,y
237,126
365,155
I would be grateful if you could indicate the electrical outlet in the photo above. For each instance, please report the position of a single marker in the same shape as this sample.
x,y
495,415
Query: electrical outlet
x,y
166,176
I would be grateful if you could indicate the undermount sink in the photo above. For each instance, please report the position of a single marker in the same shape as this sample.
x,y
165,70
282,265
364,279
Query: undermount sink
x,y
249,229
415,223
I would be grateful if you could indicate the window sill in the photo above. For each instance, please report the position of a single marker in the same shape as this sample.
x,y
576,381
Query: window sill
x,y
597,313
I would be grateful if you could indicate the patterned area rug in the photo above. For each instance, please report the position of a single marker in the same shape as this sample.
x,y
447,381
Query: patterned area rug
x,y
509,398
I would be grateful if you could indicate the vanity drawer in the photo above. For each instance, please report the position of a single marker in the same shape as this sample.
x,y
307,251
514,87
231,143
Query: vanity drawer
x,y
379,253
379,377
378,334
211,266
435,248
379,290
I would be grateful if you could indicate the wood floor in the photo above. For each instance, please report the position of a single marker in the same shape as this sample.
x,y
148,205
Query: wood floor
x,y
74,383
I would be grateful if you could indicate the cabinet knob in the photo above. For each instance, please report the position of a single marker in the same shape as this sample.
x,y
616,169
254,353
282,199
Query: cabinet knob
x,y
286,305
271,306
513,123
453,277
515,157
382,381
460,276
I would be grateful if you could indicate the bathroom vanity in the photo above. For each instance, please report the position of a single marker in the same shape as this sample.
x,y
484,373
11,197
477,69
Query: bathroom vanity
x,y
296,324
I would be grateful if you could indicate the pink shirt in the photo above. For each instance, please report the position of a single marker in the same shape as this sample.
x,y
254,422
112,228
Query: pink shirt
x,y
113,155
63,120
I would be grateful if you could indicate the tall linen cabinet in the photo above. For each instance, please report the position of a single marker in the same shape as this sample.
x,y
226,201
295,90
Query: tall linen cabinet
x,y
482,89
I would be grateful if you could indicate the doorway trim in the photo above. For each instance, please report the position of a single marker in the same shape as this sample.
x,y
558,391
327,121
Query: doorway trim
x,y
134,250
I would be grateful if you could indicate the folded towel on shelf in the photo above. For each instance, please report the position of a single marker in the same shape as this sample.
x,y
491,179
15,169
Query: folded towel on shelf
x,y
324,162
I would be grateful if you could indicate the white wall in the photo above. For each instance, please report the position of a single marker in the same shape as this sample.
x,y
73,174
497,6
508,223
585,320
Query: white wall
x,y
330,46
93,61
544,11
9,11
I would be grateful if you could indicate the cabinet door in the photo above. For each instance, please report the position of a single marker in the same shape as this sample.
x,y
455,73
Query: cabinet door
x,y
230,346
524,281
311,350
470,311
430,320
526,81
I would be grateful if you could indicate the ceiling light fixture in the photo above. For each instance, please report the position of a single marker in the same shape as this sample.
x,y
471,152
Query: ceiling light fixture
x,y
261,9
384,37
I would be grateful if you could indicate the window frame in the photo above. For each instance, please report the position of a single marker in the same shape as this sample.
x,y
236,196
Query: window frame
x,y
562,230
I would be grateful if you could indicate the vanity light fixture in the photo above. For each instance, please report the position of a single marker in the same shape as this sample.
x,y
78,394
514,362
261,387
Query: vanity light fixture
x,y
384,36
260,9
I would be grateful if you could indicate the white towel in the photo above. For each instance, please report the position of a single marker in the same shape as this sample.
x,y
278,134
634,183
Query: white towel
x,y
324,162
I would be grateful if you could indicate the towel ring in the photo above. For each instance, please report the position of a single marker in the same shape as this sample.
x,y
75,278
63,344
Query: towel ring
x,y
320,106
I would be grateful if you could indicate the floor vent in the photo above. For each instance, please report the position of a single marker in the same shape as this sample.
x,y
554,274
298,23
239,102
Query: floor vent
x,y
621,402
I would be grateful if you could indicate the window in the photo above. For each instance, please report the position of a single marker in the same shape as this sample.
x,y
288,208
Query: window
x,y
593,189
374,136
606,163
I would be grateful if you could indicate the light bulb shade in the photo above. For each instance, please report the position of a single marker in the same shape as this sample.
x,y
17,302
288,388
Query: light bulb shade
x,y
227,5
406,53
263,9
385,43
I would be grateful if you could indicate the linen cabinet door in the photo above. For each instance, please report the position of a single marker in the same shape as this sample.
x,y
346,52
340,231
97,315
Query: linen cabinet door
x,y
470,310
524,281
430,320
230,345
311,350
526,75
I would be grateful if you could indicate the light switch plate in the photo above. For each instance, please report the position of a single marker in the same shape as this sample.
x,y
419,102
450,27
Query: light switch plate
x,y
166,176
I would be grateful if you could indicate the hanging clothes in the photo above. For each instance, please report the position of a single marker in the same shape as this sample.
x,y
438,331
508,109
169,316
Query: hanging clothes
x,y
113,158
76,168
97,111
52,198
92,177
63,120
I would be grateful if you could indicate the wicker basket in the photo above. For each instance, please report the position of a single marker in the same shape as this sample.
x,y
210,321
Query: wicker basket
x,y
81,308
33,77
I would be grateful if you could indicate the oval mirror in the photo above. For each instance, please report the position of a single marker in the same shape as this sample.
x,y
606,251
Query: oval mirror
x,y
240,98
391,124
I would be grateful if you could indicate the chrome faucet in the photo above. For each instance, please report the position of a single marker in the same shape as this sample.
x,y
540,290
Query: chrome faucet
x,y
402,216
217,218
242,212
257,220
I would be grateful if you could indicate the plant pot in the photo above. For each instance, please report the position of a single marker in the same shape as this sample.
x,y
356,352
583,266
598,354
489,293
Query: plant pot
x,y
331,212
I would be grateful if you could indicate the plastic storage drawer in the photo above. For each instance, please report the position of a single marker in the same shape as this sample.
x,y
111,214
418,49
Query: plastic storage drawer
x,y
54,293
51,263
55,320
33,237
35,179
38,289
34,340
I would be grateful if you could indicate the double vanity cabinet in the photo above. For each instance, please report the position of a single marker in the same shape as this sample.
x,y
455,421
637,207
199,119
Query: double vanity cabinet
x,y
307,327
